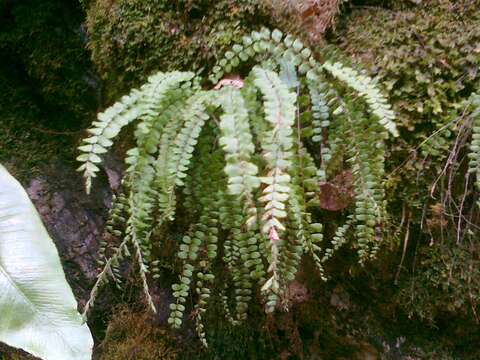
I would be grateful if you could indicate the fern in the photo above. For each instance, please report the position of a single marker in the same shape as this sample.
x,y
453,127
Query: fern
x,y
237,144
474,154
365,87
241,165
276,146
137,104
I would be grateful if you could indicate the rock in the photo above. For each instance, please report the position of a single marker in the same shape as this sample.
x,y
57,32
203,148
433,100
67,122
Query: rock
x,y
114,169
162,298
297,292
337,194
74,221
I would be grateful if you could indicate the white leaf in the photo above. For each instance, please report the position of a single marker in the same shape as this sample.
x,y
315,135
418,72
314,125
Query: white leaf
x,y
37,307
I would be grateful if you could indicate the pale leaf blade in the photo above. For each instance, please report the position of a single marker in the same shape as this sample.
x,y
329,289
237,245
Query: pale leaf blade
x,y
38,312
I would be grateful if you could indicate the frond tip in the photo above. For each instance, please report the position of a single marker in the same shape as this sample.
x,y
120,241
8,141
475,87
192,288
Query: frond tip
x,y
141,102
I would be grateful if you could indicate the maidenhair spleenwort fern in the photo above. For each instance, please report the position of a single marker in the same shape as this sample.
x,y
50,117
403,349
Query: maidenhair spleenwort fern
x,y
242,164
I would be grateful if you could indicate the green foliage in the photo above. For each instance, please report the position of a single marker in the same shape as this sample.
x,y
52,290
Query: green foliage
x,y
36,301
242,156
474,155
427,55
448,281
47,85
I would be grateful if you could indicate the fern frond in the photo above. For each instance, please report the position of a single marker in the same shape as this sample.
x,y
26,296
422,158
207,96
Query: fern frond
x,y
217,156
261,45
367,88
162,181
305,182
103,276
279,105
143,268
321,121
111,121
236,141
181,151
367,164
339,239
474,153
141,175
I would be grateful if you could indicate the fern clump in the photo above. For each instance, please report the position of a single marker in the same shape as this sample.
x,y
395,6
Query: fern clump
x,y
242,163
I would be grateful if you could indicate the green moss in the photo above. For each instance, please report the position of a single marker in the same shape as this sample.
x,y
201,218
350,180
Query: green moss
x,y
44,56
427,55
131,39
429,58
131,335
48,90
27,141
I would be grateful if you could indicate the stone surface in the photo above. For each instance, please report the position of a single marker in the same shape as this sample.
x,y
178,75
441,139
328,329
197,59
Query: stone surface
x,y
74,221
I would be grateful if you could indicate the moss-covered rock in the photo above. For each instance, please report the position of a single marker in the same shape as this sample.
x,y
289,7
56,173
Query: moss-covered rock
x,y
43,60
428,55
130,39
131,335
48,90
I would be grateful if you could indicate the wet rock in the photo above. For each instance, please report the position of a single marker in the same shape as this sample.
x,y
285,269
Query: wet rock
x,y
113,168
162,298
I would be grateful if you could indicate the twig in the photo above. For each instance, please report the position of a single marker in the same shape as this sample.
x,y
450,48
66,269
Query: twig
x,y
405,245
459,224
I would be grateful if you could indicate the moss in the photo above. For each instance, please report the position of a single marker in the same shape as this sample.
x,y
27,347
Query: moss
x,y
130,39
132,335
27,141
48,91
44,57
428,57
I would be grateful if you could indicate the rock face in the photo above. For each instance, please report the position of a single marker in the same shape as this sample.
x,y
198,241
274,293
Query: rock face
x,y
74,220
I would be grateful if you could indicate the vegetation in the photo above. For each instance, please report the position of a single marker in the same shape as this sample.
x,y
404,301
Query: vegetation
x,y
49,91
410,290
131,39
427,56
132,334
260,217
